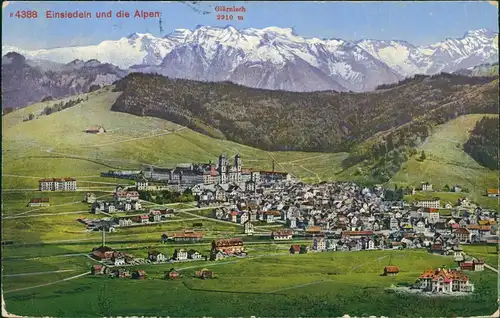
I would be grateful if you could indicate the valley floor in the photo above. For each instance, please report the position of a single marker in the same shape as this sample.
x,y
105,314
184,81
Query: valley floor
x,y
333,284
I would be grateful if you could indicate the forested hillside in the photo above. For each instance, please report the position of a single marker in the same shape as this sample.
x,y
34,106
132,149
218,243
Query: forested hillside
x,y
319,121
483,142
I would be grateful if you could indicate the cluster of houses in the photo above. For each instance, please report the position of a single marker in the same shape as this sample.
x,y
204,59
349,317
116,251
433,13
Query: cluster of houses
x,y
123,200
39,202
334,208
117,272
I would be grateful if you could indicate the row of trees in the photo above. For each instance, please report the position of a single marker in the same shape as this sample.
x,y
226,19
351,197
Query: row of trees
x,y
166,197
60,106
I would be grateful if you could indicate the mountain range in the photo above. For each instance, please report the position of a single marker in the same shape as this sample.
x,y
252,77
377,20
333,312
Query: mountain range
x,y
28,81
480,70
275,58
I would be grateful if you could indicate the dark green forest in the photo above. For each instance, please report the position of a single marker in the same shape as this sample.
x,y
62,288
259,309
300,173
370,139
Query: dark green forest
x,y
316,121
483,142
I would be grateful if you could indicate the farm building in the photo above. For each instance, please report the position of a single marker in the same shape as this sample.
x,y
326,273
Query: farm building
x,y
187,235
102,253
205,273
121,273
295,249
97,269
172,274
95,130
228,246
39,202
391,270
139,274
472,265
493,192
282,235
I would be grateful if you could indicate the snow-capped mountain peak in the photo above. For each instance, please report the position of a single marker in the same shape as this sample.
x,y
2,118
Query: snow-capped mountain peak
x,y
278,58
136,35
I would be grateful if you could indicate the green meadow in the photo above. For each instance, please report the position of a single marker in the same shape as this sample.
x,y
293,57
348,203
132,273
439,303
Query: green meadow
x,y
447,163
332,284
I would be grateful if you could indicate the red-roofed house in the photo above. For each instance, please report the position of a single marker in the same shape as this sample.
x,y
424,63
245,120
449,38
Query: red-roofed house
x,y
95,130
493,192
295,249
39,202
126,195
474,265
463,235
443,280
282,235
391,270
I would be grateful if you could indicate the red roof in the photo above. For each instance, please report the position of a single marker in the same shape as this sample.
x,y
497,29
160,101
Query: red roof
x,y
461,230
144,217
228,242
313,229
357,233
296,248
39,200
446,275
282,233
391,269
127,194
493,191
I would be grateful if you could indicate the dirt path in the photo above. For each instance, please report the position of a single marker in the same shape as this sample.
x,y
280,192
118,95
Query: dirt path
x,y
48,284
40,273
298,286
310,171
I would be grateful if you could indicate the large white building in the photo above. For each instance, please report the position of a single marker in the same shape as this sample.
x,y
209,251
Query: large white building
x,y
433,203
444,280
57,184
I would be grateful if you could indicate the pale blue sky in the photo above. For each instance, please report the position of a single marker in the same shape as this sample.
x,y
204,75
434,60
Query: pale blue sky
x,y
419,23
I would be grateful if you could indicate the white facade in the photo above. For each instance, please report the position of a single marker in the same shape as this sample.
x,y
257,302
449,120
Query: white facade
x,y
57,184
429,204
319,244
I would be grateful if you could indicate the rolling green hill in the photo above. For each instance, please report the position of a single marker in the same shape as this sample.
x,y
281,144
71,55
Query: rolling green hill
x,y
482,144
56,145
315,121
447,163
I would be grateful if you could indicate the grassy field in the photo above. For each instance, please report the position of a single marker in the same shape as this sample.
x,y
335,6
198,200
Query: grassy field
x,y
452,198
487,253
333,284
447,163
15,203
31,150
